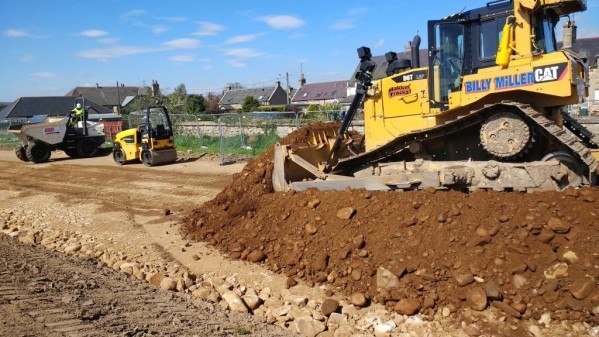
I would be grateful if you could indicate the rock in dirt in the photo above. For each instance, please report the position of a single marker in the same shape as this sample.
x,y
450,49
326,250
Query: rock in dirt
x,y
477,298
308,326
329,306
408,307
291,282
463,279
385,279
580,289
506,308
235,302
492,290
558,226
346,213
358,299
256,256
558,270
168,283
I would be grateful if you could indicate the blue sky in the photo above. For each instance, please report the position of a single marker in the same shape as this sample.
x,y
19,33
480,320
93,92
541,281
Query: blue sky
x,y
50,47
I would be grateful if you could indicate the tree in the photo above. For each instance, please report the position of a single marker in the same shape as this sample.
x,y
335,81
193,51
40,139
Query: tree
x,y
194,104
250,103
140,102
211,103
234,85
175,100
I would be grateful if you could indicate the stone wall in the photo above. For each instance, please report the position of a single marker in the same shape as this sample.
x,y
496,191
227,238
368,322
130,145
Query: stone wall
x,y
211,129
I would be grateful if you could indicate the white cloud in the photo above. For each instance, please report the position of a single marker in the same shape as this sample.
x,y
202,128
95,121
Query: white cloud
x,y
159,29
182,58
27,58
343,25
236,64
121,51
357,11
132,15
93,33
173,18
44,75
113,52
379,43
298,36
17,33
108,40
208,28
282,21
184,43
207,67
243,38
243,52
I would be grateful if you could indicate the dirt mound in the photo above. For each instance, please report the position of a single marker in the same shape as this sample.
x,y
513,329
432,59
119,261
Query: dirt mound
x,y
525,254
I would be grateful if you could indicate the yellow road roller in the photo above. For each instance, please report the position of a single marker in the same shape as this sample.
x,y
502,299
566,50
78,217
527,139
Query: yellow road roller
x,y
152,142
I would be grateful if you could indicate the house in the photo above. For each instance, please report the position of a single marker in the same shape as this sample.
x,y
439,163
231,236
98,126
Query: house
x,y
320,93
233,98
113,98
26,107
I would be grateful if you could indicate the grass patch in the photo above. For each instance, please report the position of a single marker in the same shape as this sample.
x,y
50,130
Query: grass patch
x,y
241,330
251,145
7,138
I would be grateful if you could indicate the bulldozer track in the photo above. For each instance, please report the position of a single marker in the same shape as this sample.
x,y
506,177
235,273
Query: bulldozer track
x,y
574,144
59,295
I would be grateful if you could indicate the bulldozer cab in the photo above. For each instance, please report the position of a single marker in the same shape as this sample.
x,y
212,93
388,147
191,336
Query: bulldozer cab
x,y
446,55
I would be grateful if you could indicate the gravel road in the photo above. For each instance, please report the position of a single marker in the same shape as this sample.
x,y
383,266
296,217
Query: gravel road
x,y
43,293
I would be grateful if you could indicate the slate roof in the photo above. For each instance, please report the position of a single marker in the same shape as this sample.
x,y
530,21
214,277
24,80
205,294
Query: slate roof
x,y
51,106
586,47
381,64
236,96
321,91
107,96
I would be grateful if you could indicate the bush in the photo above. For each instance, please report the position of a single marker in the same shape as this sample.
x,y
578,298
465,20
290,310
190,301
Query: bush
x,y
272,108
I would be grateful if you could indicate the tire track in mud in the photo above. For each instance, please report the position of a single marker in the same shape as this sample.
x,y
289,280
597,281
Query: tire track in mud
x,y
57,295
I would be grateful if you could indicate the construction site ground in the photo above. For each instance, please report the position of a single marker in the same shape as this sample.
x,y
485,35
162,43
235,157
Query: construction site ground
x,y
443,247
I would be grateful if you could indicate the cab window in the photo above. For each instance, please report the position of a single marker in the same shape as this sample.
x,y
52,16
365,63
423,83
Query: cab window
x,y
489,35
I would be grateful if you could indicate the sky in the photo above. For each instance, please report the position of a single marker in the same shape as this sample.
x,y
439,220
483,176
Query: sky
x,y
50,47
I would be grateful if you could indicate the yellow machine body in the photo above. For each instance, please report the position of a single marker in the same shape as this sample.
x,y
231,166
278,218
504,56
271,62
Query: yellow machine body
x,y
151,143
485,113
400,103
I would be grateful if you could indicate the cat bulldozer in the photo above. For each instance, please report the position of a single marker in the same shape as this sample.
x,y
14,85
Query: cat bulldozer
x,y
487,112
152,142
78,137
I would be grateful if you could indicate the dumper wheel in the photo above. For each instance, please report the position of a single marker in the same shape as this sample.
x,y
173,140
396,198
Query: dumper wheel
x,y
20,152
87,148
38,152
118,156
71,152
147,158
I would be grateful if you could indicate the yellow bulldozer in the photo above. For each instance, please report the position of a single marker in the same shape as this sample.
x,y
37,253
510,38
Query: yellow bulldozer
x,y
486,113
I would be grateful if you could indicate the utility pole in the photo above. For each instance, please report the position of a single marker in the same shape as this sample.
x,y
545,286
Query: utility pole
x,y
288,88
118,98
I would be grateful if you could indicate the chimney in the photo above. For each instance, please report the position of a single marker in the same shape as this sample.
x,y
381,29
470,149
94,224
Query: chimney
x,y
278,83
155,88
97,86
569,34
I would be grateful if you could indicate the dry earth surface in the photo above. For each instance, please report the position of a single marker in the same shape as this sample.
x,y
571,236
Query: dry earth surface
x,y
400,264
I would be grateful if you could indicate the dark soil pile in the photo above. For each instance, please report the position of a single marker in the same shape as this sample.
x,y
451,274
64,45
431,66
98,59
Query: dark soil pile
x,y
525,253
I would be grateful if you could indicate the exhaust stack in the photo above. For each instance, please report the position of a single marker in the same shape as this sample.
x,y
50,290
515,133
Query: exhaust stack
x,y
416,51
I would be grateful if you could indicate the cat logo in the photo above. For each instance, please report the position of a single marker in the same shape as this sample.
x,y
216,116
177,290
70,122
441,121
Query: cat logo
x,y
550,73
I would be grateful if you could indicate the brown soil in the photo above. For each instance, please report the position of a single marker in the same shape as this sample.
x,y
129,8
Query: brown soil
x,y
431,240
